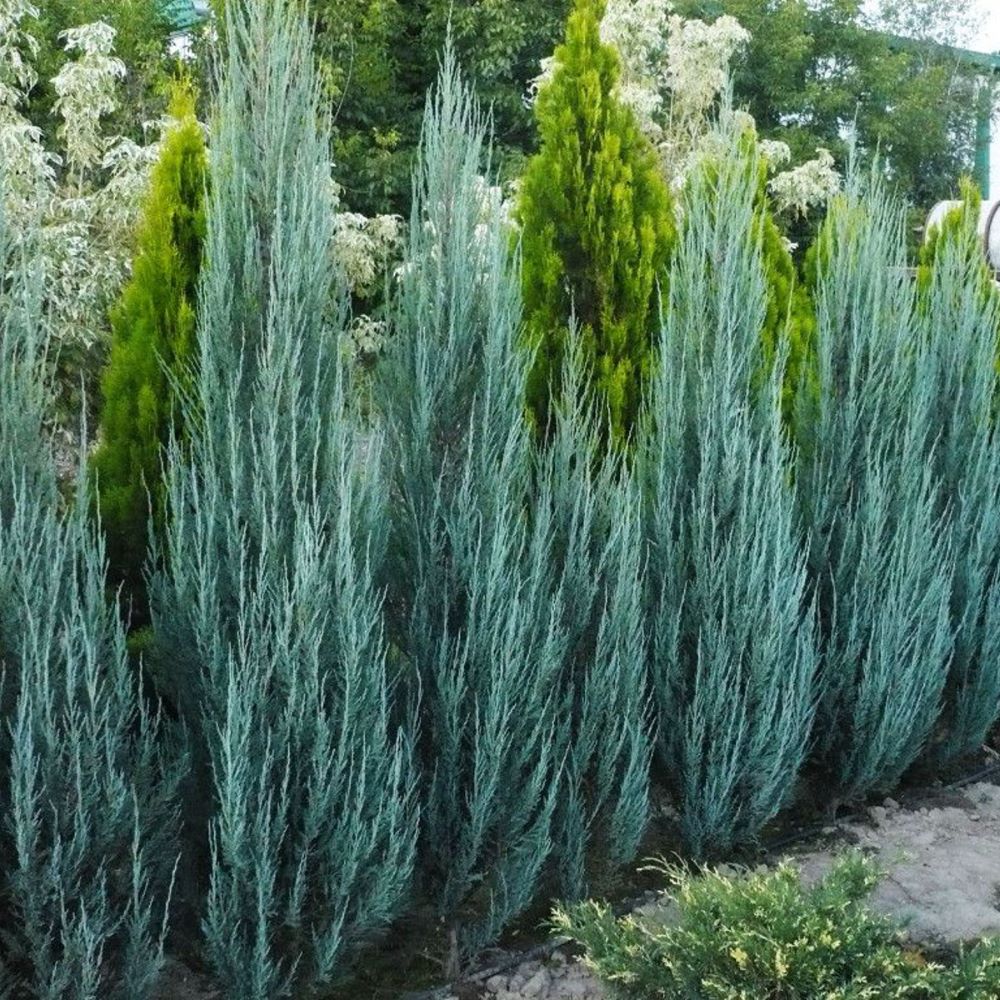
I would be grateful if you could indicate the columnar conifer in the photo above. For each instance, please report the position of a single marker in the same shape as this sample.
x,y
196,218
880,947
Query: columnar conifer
x,y
790,313
789,323
881,559
733,656
958,320
88,839
597,225
266,616
596,566
468,574
152,346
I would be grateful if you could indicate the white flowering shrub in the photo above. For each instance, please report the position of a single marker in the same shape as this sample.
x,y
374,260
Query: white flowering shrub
x,y
363,248
84,193
808,186
698,59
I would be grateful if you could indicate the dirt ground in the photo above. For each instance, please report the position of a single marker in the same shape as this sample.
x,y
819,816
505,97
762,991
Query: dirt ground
x,y
943,862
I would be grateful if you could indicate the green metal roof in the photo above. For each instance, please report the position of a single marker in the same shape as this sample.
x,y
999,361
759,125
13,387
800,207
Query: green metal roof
x,y
184,14
989,61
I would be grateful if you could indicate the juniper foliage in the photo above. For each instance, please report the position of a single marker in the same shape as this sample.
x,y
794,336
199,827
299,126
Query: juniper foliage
x,y
596,565
958,318
733,655
880,557
153,332
790,322
789,325
88,839
265,610
597,226
467,573
22,394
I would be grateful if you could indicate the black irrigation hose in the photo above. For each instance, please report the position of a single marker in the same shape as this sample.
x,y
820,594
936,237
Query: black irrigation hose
x,y
797,836
546,949
969,779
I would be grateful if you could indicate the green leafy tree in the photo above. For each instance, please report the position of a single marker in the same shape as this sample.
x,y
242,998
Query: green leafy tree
x,y
153,343
364,72
502,44
815,69
597,225
379,57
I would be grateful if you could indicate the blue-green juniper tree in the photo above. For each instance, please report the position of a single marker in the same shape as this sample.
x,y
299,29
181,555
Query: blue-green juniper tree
x,y
596,566
268,623
87,791
733,656
958,320
468,575
880,555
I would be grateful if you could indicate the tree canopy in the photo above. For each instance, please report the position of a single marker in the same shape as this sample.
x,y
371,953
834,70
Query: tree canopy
x,y
813,69
379,57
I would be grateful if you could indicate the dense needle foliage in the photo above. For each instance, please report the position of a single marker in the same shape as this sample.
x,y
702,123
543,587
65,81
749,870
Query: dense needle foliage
x,y
268,625
597,226
733,656
88,840
880,554
768,934
467,575
418,656
596,567
959,316
153,334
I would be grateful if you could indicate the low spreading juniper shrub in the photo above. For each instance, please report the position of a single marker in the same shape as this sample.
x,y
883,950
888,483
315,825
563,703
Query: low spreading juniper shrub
x,y
768,936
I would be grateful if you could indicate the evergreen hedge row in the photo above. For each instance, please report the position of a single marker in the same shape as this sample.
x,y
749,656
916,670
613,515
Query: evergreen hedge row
x,y
409,655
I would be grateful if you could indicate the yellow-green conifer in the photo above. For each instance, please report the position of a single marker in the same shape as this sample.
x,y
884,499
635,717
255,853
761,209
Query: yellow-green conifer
x,y
596,227
153,339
